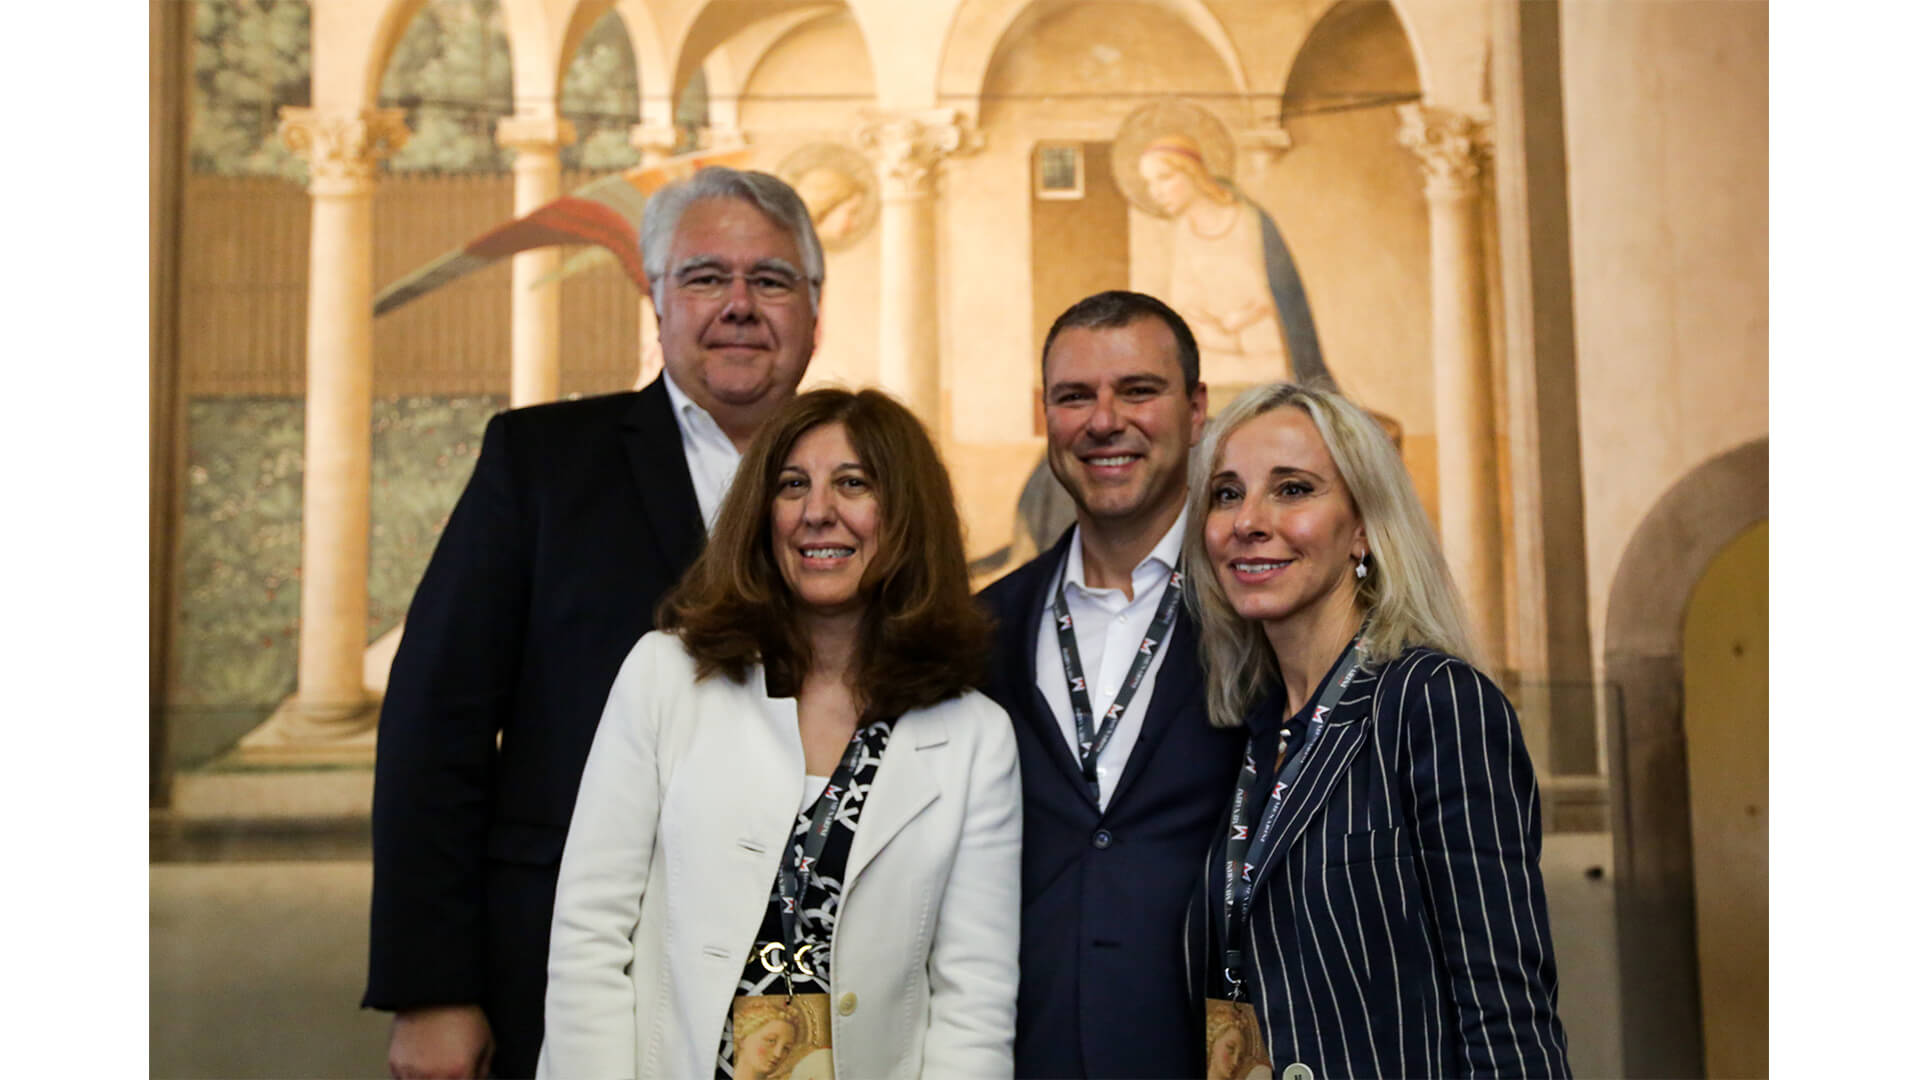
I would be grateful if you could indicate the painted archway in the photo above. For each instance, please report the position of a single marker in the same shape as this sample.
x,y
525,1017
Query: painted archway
x,y
981,30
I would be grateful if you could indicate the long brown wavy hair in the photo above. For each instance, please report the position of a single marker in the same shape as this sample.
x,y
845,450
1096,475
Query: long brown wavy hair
x,y
922,638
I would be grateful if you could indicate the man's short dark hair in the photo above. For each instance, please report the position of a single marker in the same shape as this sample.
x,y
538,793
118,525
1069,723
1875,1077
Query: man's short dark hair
x,y
1117,308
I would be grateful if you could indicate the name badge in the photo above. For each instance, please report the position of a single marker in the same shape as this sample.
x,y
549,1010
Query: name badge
x,y
1235,1050
787,1037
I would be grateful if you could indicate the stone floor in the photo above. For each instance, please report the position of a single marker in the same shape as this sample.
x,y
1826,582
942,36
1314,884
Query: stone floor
x,y
256,969
258,946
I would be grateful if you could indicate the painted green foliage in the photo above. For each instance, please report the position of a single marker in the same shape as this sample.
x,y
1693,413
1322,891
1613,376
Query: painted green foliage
x,y
451,71
601,95
250,58
240,537
240,551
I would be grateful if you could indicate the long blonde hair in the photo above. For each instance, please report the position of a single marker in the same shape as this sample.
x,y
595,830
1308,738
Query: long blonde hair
x,y
1408,595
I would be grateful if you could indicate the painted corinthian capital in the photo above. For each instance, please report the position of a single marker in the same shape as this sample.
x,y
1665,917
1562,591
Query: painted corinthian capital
x,y
1453,147
908,147
342,148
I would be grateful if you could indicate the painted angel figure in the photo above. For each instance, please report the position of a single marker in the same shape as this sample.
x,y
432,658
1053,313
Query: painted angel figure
x,y
1233,280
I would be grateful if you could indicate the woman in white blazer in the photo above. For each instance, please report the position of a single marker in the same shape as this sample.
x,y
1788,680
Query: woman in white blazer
x,y
811,676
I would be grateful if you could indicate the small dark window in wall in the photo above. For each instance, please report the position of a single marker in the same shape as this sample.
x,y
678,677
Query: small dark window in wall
x,y
1058,171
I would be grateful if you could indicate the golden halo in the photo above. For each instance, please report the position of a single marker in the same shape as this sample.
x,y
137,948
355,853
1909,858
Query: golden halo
x,y
817,1010
770,1007
845,180
1167,116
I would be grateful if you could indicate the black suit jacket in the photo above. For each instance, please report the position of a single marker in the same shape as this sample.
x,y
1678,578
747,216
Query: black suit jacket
x,y
580,515
1102,976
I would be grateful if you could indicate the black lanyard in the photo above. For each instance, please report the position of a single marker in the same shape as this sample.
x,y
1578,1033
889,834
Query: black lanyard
x,y
1092,742
1244,851
795,873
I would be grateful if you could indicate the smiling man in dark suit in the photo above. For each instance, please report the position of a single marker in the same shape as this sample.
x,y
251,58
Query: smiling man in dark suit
x,y
578,518
1095,661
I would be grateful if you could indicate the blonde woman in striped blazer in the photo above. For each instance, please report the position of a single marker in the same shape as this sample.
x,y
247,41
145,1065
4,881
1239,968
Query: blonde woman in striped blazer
x,y
1373,904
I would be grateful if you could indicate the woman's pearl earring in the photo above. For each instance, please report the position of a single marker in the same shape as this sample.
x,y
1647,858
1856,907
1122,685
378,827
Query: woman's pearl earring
x,y
1360,568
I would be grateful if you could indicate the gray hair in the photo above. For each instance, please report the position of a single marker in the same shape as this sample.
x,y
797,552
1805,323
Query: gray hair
x,y
768,193
1408,594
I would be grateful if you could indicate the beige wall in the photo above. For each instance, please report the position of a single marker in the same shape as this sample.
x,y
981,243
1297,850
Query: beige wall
x,y
1082,244
1725,673
1346,196
1061,72
1072,73
985,291
1348,199
812,86
244,285
1666,107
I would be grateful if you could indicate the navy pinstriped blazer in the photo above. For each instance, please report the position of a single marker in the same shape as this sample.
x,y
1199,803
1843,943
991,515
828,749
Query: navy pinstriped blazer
x,y
1399,922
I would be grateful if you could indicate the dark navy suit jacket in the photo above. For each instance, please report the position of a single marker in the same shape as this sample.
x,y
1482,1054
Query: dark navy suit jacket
x,y
580,515
1399,920
1103,977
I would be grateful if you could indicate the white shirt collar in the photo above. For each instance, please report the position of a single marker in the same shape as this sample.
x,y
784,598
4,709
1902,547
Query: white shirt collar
x,y
1166,553
685,409
711,457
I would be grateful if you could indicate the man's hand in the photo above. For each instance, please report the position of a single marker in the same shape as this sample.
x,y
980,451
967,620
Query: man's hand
x,y
444,1042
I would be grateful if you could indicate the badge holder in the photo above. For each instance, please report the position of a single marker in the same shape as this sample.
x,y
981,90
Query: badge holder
x,y
1234,1048
788,1035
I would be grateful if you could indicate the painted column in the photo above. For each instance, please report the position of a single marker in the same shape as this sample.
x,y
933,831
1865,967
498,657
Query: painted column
x,y
535,141
1453,147
655,142
342,149
907,149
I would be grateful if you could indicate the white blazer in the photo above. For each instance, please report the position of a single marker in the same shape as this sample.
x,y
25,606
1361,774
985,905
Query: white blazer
x,y
685,809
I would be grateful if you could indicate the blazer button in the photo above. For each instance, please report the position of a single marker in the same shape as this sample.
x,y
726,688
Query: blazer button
x,y
848,1003
1103,839
1297,1071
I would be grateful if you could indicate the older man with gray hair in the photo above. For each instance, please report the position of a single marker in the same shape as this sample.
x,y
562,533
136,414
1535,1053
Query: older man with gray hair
x,y
579,516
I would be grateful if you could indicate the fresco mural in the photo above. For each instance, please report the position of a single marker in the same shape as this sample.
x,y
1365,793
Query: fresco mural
x,y
240,531
453,75
840,190
1232,276
240,541
250,58
451,72
1230,271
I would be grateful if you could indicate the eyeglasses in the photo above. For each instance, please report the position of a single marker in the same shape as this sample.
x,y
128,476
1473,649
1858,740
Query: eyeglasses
x,y
768,286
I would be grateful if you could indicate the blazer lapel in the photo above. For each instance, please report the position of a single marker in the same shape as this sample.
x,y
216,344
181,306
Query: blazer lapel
x,y
1039,614
1326,762
905,785
652,439
1176,691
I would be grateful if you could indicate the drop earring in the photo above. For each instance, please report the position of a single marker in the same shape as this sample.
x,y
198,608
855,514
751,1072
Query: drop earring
x,y
1360,568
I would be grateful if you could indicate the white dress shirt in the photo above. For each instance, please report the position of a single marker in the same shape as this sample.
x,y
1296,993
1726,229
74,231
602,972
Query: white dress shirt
x,y
711,457
1107,629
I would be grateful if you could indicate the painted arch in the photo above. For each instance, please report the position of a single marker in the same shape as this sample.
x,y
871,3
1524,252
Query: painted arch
x,y
981,27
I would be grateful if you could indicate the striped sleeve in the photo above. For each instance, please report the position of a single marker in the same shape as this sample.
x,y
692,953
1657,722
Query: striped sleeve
x,y
1476,823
